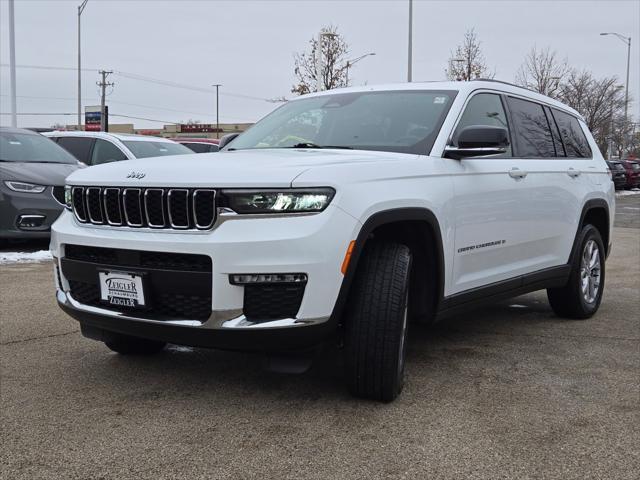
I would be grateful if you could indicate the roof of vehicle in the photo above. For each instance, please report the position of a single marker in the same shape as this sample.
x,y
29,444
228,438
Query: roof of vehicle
x,y
18,130
462,87
124,137
196,140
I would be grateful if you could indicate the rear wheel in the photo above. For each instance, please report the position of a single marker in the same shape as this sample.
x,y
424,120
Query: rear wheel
x,y
376,327
127,345
580,298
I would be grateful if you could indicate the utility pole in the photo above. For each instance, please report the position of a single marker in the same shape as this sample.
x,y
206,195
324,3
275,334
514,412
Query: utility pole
x,y
410,53
217,85
103,85
80,10
12,64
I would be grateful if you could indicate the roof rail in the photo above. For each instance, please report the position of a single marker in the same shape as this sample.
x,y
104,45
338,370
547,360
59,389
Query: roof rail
x,y
505,83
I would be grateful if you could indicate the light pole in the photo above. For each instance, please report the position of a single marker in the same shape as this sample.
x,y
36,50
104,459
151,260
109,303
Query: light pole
x,y
217,85
12,65
320,58
627,41
80,10
410,46
351,63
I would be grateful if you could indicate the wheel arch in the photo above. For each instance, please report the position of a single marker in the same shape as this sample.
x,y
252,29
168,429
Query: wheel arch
x,y
596,213
400,224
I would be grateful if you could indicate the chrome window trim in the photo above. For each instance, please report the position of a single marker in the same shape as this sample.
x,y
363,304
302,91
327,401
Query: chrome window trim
x,y
195,212
146,208
124,205
173,225
75,210
106,210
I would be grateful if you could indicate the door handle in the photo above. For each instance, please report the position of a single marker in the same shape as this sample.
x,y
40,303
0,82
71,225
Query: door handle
x,y
573,173
516,173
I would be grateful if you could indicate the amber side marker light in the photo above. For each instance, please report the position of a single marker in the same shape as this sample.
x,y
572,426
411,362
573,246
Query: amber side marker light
x,y
347,257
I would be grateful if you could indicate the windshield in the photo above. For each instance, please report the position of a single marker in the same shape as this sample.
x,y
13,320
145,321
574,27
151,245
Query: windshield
x,y
26,147
144,149
390,121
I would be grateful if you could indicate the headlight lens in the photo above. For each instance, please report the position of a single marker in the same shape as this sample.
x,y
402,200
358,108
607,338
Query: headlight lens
x,y
279,201
24,187
68,197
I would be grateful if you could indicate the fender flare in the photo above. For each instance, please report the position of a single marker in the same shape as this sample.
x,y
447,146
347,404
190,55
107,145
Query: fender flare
x,y
376,220
589,205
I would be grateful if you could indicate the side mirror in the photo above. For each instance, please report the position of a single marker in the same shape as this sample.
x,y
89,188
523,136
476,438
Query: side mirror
x,y
226,140
478,140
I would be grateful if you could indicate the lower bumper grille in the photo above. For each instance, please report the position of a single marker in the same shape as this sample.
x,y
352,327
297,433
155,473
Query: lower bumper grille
x,y
177,286
269,302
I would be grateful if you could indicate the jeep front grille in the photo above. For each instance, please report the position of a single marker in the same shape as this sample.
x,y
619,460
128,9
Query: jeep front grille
x,y
168,208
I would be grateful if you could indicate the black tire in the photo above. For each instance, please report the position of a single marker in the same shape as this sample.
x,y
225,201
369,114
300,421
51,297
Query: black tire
x,y
376,323
127,345
571,301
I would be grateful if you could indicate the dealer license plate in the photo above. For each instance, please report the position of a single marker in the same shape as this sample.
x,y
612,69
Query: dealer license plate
x,y
122,289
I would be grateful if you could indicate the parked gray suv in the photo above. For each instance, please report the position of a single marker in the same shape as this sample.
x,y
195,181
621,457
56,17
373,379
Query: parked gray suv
x,y
32,175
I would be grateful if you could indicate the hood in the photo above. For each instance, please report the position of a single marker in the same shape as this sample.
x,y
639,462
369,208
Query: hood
x,y
38,173
267,168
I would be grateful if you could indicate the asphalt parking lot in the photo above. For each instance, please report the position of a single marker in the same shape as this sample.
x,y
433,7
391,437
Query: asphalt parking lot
x,y
509,391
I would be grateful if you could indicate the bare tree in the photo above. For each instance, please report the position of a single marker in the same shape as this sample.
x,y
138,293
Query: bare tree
x,y
334,50
601,103
468,62
542,71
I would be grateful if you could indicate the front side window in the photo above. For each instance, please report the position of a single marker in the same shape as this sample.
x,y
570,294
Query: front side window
x,y
105,152
145,148
531,129
484,109
575,142
391,121
27,147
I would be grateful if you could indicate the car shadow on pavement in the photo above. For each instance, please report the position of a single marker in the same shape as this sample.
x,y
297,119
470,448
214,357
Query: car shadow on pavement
x,y
203,375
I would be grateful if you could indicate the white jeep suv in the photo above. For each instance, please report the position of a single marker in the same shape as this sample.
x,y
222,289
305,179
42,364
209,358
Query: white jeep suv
x,y
342,215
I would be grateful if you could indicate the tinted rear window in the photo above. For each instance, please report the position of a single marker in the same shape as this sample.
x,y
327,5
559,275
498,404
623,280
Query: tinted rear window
x,y
531,129
575,142
201,147
79,147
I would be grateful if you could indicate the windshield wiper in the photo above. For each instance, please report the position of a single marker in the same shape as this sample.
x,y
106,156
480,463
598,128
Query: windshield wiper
x,y
313,145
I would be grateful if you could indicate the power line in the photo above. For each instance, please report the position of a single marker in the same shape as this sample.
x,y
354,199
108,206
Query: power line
x,y
151,107
143,78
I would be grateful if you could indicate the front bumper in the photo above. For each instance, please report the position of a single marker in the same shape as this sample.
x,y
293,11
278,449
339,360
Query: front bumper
x,y
16,205
313,244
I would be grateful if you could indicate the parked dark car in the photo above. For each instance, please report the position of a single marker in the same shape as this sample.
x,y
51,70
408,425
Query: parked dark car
x,y
199,145
33,170
632,170
618,174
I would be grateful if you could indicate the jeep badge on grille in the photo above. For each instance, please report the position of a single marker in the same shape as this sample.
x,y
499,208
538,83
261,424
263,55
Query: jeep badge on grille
x,y
138,175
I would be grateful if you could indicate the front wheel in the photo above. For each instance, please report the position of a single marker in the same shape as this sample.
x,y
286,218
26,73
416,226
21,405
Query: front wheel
x,y
376,324
580,298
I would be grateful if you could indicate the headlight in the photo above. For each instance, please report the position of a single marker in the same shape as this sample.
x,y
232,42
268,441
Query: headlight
x,y
279,201
24,187
68,197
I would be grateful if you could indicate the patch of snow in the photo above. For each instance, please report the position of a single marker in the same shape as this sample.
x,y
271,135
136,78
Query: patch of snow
x,y
25,257
626,193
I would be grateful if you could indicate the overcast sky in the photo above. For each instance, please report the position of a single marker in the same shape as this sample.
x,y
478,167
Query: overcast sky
x,y
248,47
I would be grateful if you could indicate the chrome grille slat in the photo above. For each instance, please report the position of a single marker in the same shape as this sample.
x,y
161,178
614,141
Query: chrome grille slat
x,y
94,205
201,211
159,204
132,210
106,193
175,208
139,207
